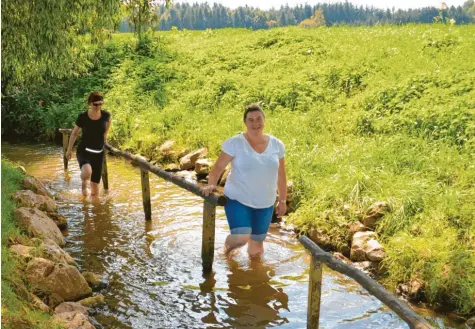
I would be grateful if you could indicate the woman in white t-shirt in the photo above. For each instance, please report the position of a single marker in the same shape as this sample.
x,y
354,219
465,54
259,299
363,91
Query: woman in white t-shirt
x,y
257,172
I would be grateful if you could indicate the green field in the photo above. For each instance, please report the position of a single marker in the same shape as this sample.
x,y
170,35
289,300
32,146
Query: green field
x,y
366,113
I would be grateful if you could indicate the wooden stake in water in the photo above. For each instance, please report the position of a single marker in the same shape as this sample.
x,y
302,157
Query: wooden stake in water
x,y
65,149
147,207
314,294
207,244
105,174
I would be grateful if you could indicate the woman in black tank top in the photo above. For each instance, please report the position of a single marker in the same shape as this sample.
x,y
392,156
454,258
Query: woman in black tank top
x,y
95,124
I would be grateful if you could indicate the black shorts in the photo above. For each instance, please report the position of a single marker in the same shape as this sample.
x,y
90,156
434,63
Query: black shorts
x,y
95,160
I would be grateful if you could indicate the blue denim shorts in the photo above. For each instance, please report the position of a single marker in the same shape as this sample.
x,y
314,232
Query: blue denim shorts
x,y
246,220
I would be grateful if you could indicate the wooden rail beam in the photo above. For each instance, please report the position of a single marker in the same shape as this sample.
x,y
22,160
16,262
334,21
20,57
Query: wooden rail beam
x,y
374,288
215,199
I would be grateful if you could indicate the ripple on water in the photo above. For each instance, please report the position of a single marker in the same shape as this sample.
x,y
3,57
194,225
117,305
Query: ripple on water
x,y
154,267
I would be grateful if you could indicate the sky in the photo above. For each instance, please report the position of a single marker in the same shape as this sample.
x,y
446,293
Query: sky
x,y
267,4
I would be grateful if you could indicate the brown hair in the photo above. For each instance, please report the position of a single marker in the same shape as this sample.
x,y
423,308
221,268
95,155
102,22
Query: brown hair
x,y
253,108
94,97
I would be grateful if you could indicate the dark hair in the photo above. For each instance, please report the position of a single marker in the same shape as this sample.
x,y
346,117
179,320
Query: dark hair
x,y
94,97
253,108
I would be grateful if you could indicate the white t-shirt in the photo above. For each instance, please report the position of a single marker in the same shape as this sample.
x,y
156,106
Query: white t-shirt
x,y
253,177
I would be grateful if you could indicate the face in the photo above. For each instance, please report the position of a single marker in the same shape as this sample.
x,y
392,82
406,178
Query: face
x,y
255,121
97,105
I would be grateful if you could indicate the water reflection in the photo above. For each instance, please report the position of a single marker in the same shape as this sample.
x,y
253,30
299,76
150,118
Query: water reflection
x,y
154,267
251,301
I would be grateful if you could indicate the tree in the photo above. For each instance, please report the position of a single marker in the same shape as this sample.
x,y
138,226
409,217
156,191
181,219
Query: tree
x,y
143,15
45,39
315,21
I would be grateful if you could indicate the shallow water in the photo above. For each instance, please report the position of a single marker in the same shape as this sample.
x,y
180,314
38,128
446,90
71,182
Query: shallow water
x,y
154,267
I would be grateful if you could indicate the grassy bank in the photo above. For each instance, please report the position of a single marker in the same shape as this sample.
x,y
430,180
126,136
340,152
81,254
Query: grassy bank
x,y
367,114
17,312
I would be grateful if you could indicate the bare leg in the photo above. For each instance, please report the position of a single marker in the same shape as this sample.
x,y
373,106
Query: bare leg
x,y
86,172
94,189
234,241
255,248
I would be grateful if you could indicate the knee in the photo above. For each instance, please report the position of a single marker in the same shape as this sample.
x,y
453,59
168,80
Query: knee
x,y
238,240
86,171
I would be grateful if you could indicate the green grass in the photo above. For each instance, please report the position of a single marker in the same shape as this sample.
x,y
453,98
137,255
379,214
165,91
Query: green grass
x,y
366,113
17,312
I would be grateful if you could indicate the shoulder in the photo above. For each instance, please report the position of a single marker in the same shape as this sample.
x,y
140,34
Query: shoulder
x,y
105,114
82,115
276,141
234,139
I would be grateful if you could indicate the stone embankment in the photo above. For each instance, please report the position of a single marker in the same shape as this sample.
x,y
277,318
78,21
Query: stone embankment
x,y
56,284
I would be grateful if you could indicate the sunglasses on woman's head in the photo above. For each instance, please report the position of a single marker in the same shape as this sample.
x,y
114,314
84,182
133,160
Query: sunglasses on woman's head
x,y
97,104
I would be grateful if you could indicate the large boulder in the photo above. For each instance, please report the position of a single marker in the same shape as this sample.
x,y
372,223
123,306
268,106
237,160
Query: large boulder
x,y
21,250
413,290
320,237
365,247
55,253
353,228
188,161
173,167
94,281
67,307
374,251
35,185
203,166
374,213
187,175
166,148
27,198
37,224
93,301
73,320
60,220
59,282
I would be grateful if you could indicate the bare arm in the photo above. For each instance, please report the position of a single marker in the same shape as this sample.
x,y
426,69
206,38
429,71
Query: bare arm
x,y
223,160
108,125
281,208
72,140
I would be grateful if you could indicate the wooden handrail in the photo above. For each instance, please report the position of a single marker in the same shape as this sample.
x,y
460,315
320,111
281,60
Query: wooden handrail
x,y
374,288
215,199
209,205
319,256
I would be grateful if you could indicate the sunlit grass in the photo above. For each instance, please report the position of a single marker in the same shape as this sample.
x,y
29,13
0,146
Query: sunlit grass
x,y
366,113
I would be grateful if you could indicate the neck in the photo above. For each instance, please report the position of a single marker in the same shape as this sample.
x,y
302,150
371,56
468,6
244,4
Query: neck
x,y
253,135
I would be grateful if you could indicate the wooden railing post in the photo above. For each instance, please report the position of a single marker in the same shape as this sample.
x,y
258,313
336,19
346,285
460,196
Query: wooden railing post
x,y
314,294
147,207
207,244
105,174
414,320
65,149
